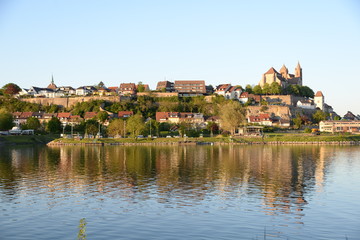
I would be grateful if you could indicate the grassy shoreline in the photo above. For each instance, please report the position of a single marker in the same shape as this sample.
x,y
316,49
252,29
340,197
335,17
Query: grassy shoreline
x,y
274,138
271,138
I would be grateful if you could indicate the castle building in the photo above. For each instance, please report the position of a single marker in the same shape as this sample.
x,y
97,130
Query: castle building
x,y
319,100
283,78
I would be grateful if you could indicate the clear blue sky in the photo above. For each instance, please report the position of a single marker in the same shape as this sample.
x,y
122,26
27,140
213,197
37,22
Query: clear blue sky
x,y
85,42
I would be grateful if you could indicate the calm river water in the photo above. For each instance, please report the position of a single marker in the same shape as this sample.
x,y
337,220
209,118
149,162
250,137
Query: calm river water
x,y
180,192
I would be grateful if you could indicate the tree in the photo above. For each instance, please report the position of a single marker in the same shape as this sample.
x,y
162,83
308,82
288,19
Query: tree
x,y
117,127
319,116
275,88
297,121
266,89
257,90
306,92
248,89
6,120
91,127
135,124
102,116
54,125
11,89
140,87
32,123
232,115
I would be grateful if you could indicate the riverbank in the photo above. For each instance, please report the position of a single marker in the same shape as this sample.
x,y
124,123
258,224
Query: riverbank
x,y
283,138
26,140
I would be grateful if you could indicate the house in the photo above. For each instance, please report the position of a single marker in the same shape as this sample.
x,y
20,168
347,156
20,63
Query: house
x,y
262,119
233,92
64,117
127,89
67,90
125,114
306,104
113,90
244,97
190,87
90,115
85,90
350,116
222,88
165,86
177,117
352,126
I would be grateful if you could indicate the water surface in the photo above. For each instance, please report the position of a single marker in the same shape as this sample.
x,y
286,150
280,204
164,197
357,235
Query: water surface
x,y
183,192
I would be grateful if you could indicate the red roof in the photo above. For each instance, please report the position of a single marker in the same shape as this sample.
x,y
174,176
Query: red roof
x,y
319,94
26,114
64,115
271,70
122,114
89,115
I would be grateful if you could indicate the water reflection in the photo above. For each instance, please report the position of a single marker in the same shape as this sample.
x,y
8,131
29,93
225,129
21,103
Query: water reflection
x,y
283,177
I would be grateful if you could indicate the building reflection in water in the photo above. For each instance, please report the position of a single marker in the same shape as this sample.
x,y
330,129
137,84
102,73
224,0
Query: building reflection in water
x,y
284,176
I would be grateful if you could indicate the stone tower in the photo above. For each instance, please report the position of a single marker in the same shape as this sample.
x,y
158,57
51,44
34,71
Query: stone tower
x,y
319,100
284,71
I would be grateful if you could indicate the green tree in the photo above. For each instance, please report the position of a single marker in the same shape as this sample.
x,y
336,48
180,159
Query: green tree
x,y
54,125
32,123
135,125
257,90
11,89
102,116
248,89
298,121
140,87
6,120
319,116
306,92
232,115
266,89
117,127
91,127
275,88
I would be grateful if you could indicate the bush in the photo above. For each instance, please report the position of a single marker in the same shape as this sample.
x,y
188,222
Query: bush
x,y
307,130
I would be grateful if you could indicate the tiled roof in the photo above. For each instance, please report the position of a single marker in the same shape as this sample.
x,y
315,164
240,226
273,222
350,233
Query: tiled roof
x,y
64,115
89,115
122,114
271,70
319,94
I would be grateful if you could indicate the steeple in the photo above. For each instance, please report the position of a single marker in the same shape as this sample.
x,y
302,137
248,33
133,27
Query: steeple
x,y
298,71
284,71
52,85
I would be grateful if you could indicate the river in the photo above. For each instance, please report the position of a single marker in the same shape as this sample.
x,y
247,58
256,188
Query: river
x,y
180,192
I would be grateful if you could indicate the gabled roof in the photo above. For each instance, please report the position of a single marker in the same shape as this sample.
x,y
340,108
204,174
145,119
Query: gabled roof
x,y
64,115
271,71
319,94
122,114
89,115
26,114
223,87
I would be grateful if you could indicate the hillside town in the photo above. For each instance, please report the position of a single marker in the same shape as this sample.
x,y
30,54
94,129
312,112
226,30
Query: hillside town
x,y
279,101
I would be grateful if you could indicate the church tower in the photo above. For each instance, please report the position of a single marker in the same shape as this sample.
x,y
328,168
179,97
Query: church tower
x,y
284,71
298,73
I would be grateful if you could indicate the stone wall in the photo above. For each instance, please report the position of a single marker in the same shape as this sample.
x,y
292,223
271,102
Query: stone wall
x,y
282,99
68,102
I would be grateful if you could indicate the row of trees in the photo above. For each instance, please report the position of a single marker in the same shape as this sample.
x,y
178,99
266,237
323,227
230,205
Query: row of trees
x,y
275,89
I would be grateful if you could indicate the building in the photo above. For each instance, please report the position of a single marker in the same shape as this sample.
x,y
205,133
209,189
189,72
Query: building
x,y
127,88
350,116
305,104
125,114
85,90
221,89
190,87
340,126
262,119
165,86
283,78
319,100
233,92
177,117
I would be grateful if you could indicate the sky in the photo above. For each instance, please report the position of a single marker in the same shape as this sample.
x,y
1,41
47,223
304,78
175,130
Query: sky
x,y
84,42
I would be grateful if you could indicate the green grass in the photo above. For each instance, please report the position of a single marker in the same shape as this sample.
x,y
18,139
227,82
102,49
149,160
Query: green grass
x,y
272,137
31,139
